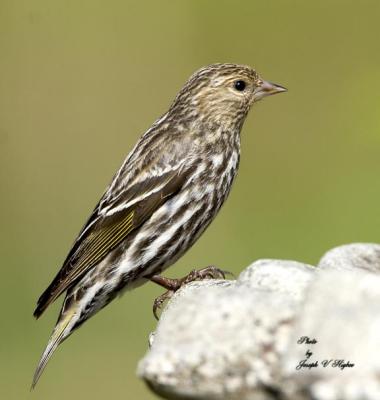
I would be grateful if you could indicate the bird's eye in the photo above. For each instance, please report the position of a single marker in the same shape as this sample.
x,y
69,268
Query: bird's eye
x,y
239,85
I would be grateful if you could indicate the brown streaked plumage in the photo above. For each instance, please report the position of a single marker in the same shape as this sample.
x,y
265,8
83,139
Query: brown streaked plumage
x,y
161,200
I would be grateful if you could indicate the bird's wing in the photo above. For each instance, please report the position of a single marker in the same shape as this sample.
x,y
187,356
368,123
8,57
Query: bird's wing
x,y
110,223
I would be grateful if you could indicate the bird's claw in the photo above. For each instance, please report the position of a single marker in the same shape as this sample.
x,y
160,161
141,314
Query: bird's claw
x,y
159,302
210,272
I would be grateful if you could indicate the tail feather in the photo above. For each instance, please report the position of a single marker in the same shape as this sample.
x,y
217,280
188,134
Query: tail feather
x,y
61,331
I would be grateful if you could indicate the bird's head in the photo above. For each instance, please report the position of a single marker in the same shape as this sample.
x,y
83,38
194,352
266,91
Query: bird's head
x,y
223,93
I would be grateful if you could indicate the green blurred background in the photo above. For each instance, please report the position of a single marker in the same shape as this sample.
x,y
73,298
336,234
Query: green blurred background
x,y
81,80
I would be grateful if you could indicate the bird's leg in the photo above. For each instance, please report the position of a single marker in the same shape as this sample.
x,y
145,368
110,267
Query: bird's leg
x,y
159,302
172,285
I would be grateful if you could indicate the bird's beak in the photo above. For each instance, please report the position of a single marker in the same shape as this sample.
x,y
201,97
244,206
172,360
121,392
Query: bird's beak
x,y
267,89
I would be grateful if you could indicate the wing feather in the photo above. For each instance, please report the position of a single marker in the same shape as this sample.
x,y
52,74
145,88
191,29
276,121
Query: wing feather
x,y
104,231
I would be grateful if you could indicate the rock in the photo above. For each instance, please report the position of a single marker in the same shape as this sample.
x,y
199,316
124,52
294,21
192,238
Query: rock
x,y
352,257
224,339
238,339
288,277
342,312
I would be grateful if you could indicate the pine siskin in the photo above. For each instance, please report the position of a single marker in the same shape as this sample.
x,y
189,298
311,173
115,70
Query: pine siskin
x,y
166,193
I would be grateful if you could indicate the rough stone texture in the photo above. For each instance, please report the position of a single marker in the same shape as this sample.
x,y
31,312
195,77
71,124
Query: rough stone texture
x,y
224,339
342,312
352,257
238,339
279,276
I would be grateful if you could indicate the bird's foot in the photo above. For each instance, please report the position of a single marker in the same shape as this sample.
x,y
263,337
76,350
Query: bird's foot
x,y
210,272
172,285
159,302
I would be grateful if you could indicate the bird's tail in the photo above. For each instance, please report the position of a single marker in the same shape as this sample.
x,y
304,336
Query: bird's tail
x,y
61,331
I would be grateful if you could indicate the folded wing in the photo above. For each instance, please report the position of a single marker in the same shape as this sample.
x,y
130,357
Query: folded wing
x,y
110,223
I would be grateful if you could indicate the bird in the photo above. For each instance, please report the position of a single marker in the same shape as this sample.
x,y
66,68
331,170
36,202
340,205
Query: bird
x,y
165,194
